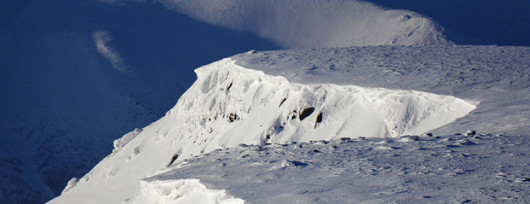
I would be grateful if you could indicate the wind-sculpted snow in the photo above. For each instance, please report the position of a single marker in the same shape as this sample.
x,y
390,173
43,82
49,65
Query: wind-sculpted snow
x,y
496,77
310,23
238,105
230,105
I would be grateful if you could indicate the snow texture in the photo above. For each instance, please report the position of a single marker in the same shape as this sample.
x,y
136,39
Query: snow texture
x,y
286,97
438,169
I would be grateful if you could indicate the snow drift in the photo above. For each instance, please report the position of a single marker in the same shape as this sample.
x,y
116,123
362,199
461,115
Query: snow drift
x,y
230,105
181,191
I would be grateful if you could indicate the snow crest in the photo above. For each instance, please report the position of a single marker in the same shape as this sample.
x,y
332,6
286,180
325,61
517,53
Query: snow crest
x,y
229,105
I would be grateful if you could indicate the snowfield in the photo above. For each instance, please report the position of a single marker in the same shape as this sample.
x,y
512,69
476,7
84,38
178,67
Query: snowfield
x,y
279,101
480,168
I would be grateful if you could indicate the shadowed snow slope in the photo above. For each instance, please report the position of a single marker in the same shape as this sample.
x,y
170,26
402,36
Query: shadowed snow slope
x,y
76,75
303,95
310,23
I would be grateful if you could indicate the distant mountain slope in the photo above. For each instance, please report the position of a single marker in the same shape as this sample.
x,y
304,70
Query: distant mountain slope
x,y
321,94
312,24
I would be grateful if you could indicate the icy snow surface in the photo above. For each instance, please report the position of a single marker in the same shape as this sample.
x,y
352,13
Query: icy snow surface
x,y
294,96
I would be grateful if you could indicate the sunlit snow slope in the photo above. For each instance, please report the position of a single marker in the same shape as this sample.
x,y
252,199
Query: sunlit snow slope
x,y
311,23
320,94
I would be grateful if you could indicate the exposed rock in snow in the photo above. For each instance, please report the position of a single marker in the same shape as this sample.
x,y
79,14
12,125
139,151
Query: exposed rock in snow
x,y
496,77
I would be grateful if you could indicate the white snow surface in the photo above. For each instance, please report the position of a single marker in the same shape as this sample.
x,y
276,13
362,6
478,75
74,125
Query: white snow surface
x,y
313,23
181,191
259,98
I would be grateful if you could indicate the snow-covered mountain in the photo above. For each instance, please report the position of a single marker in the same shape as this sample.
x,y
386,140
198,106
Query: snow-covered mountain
x,y
76,75
285,97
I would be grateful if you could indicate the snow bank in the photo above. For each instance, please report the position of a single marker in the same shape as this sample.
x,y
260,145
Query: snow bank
x,y
181,191
310,24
